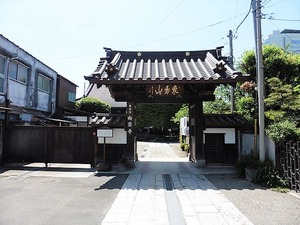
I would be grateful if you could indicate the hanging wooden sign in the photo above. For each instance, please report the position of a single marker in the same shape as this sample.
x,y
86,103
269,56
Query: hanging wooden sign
x,y
164,90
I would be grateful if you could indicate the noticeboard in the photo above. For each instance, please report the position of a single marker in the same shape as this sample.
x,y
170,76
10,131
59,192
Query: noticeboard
x,y
107,133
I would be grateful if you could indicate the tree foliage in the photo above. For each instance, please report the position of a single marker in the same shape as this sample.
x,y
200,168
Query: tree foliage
x,y
282,91
221,103
277,63
92,105
283,130
156,115
182,112
282,102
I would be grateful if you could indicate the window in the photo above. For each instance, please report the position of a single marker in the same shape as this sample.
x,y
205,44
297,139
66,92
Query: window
x,y
22,74
2,65
72,97
43,83
2,73
18,72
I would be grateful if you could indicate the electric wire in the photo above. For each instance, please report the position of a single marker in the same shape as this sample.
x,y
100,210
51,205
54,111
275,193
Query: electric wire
x,y
291,20
236,4
236,30
73,57
292,41
163,20
183,33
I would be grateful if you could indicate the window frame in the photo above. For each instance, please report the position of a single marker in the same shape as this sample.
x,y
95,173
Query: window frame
x,y
72,96
44,78
18,75
2,75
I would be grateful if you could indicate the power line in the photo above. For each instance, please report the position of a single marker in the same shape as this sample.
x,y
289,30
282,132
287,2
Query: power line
x,y
286,35
236,30
158,40
236,4
184,33
163,20
215,42
72,57
271,18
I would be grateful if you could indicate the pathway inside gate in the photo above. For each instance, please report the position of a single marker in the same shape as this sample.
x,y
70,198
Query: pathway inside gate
x,y
165,188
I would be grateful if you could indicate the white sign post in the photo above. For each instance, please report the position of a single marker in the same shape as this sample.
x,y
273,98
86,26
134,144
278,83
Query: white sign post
x,y
104,133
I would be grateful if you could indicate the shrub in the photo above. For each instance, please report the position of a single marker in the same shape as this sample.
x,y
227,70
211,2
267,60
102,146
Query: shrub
x,y
250,160
92,105
283,130
187,147
267,175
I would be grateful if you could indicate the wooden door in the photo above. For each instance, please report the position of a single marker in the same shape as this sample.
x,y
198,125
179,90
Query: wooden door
x,y
213,148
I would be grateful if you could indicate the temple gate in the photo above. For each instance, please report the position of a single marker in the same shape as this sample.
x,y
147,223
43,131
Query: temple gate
x,y
165,77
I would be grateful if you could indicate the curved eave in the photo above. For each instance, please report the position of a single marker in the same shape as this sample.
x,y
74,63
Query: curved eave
x,y
218,80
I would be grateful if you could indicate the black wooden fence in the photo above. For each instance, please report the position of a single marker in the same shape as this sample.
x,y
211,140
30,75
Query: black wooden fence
x,y
50,144
290,161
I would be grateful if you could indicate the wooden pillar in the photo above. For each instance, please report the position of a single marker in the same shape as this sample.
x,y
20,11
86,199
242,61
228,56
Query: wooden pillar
x,y
131,149
198,132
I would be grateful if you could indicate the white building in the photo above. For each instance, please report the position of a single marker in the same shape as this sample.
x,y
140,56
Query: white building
x,y
26,83
287,39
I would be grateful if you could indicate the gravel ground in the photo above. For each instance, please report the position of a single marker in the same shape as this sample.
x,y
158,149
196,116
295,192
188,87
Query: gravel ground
x,y
141,146
176,148
262,206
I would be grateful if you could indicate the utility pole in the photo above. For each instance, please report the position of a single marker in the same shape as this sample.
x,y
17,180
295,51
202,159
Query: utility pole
x,y
230,36
259,77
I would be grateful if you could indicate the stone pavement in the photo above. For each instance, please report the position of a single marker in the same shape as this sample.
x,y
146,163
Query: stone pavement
x,y
160,191
144,199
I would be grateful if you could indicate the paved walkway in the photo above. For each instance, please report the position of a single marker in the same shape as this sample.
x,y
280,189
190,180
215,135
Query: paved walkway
x,y
144,199
170,191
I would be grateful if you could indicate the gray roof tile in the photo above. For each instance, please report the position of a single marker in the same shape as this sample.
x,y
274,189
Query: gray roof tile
x,y
196,66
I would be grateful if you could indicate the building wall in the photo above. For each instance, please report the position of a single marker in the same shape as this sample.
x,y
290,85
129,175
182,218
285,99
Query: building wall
x,y
248,145
65,87
229,134
285,40
27,94
119,137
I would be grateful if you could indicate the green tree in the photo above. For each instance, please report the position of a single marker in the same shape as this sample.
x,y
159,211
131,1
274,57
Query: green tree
x,y
182,112
283,130
277,63
220,105
92,105
282,101
222,102
156,115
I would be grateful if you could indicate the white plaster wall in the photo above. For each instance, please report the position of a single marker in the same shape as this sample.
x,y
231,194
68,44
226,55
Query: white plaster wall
x,y
119,137
43,100
248,146
270,146
17,93
229,134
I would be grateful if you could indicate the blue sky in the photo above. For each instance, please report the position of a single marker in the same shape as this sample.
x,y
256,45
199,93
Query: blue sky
x,y
69,35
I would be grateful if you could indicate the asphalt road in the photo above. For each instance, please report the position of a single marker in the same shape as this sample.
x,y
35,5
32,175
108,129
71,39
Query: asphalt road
x,y
35,200
35,195
260,205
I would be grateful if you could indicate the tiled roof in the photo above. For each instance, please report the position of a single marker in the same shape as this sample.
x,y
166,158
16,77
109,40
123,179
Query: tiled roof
x,y
210,120
109,120
223,120
146,67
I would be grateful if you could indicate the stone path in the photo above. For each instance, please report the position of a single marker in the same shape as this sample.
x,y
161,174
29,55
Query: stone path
x,y
145,199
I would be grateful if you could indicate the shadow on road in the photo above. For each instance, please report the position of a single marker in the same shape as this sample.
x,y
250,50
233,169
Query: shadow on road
x,y
114,183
